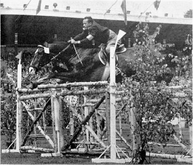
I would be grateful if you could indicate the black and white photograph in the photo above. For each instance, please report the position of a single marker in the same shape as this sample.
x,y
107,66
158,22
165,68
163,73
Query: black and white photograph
x,y
96,81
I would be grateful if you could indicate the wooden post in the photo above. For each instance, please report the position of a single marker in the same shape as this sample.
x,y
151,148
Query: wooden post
x,y
35,126
108,116
19,109
91,125
113,147
71,124
132,121
18,124
53,124
133,127
19,74
86,114
57,106
112,105
98,124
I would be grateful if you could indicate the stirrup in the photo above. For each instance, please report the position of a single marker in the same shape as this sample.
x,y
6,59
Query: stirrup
x,y
103,57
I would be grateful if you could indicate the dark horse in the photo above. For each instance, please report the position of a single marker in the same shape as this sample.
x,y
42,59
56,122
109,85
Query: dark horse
x,y
73,64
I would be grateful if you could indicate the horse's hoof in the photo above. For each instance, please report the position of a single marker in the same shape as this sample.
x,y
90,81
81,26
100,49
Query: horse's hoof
x,y
32,85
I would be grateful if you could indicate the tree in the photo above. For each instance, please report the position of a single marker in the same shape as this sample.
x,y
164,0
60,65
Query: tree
x,y
153,105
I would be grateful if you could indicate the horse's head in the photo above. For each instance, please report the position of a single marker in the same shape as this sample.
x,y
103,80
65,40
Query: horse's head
x,y
42,56
50,53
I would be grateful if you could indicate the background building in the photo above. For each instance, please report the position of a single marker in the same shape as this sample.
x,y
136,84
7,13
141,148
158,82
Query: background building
x,y
37,21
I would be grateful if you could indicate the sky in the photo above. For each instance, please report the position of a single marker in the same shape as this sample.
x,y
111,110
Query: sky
x,y
174,8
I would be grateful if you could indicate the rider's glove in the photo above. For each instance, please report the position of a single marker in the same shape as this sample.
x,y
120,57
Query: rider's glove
x,y
72,41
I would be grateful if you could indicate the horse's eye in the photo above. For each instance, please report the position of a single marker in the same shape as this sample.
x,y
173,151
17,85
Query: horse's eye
x,y
40,50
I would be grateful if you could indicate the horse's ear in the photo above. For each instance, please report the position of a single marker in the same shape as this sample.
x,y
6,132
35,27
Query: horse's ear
x,y
45,44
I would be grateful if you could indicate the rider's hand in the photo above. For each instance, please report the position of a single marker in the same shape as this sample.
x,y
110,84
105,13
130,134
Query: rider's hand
x,y
69,41
72,41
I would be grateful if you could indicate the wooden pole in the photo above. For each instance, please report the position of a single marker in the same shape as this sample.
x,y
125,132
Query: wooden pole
x,y
74,84
133,127
95,136
19,74
108,116
39,127
71,124
112,105
19,109
78,130
86,114
53,124
98,124
63,93
113,148
35,122
132,121
57,106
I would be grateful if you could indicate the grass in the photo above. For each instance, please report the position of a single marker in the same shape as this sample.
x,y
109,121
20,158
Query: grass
x,y
16,158
26,158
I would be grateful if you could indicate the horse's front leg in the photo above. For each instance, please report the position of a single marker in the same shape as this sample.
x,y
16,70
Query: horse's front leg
x,y
42,80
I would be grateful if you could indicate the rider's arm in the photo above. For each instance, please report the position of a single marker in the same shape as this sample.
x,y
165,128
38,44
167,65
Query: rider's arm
x,y
85,40
91,34
80,36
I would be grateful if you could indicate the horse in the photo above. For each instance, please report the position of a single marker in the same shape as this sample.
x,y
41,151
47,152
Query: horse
x,y
76,64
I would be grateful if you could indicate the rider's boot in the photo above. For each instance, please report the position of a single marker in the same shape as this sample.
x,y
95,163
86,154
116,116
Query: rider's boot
x,y
103,56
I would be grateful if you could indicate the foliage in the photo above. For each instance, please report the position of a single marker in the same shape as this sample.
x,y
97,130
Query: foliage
x,y
154,106
153,103
8,119
188,14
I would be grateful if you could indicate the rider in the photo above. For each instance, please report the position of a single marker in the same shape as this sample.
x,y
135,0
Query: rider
x,y
95,35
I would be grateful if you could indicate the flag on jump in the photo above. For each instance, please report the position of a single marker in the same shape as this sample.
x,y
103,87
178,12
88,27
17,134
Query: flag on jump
x,y
19,56
124,9
157,3
121,33
39,7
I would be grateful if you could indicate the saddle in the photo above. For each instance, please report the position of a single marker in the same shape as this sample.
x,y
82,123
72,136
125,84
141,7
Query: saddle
x,y
104,57
120,49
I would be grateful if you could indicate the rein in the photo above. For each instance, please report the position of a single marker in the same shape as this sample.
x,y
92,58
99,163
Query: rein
x,y
77,54
57,55
60,52
65,50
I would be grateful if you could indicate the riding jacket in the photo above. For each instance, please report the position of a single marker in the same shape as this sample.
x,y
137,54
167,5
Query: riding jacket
x,y
100,35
